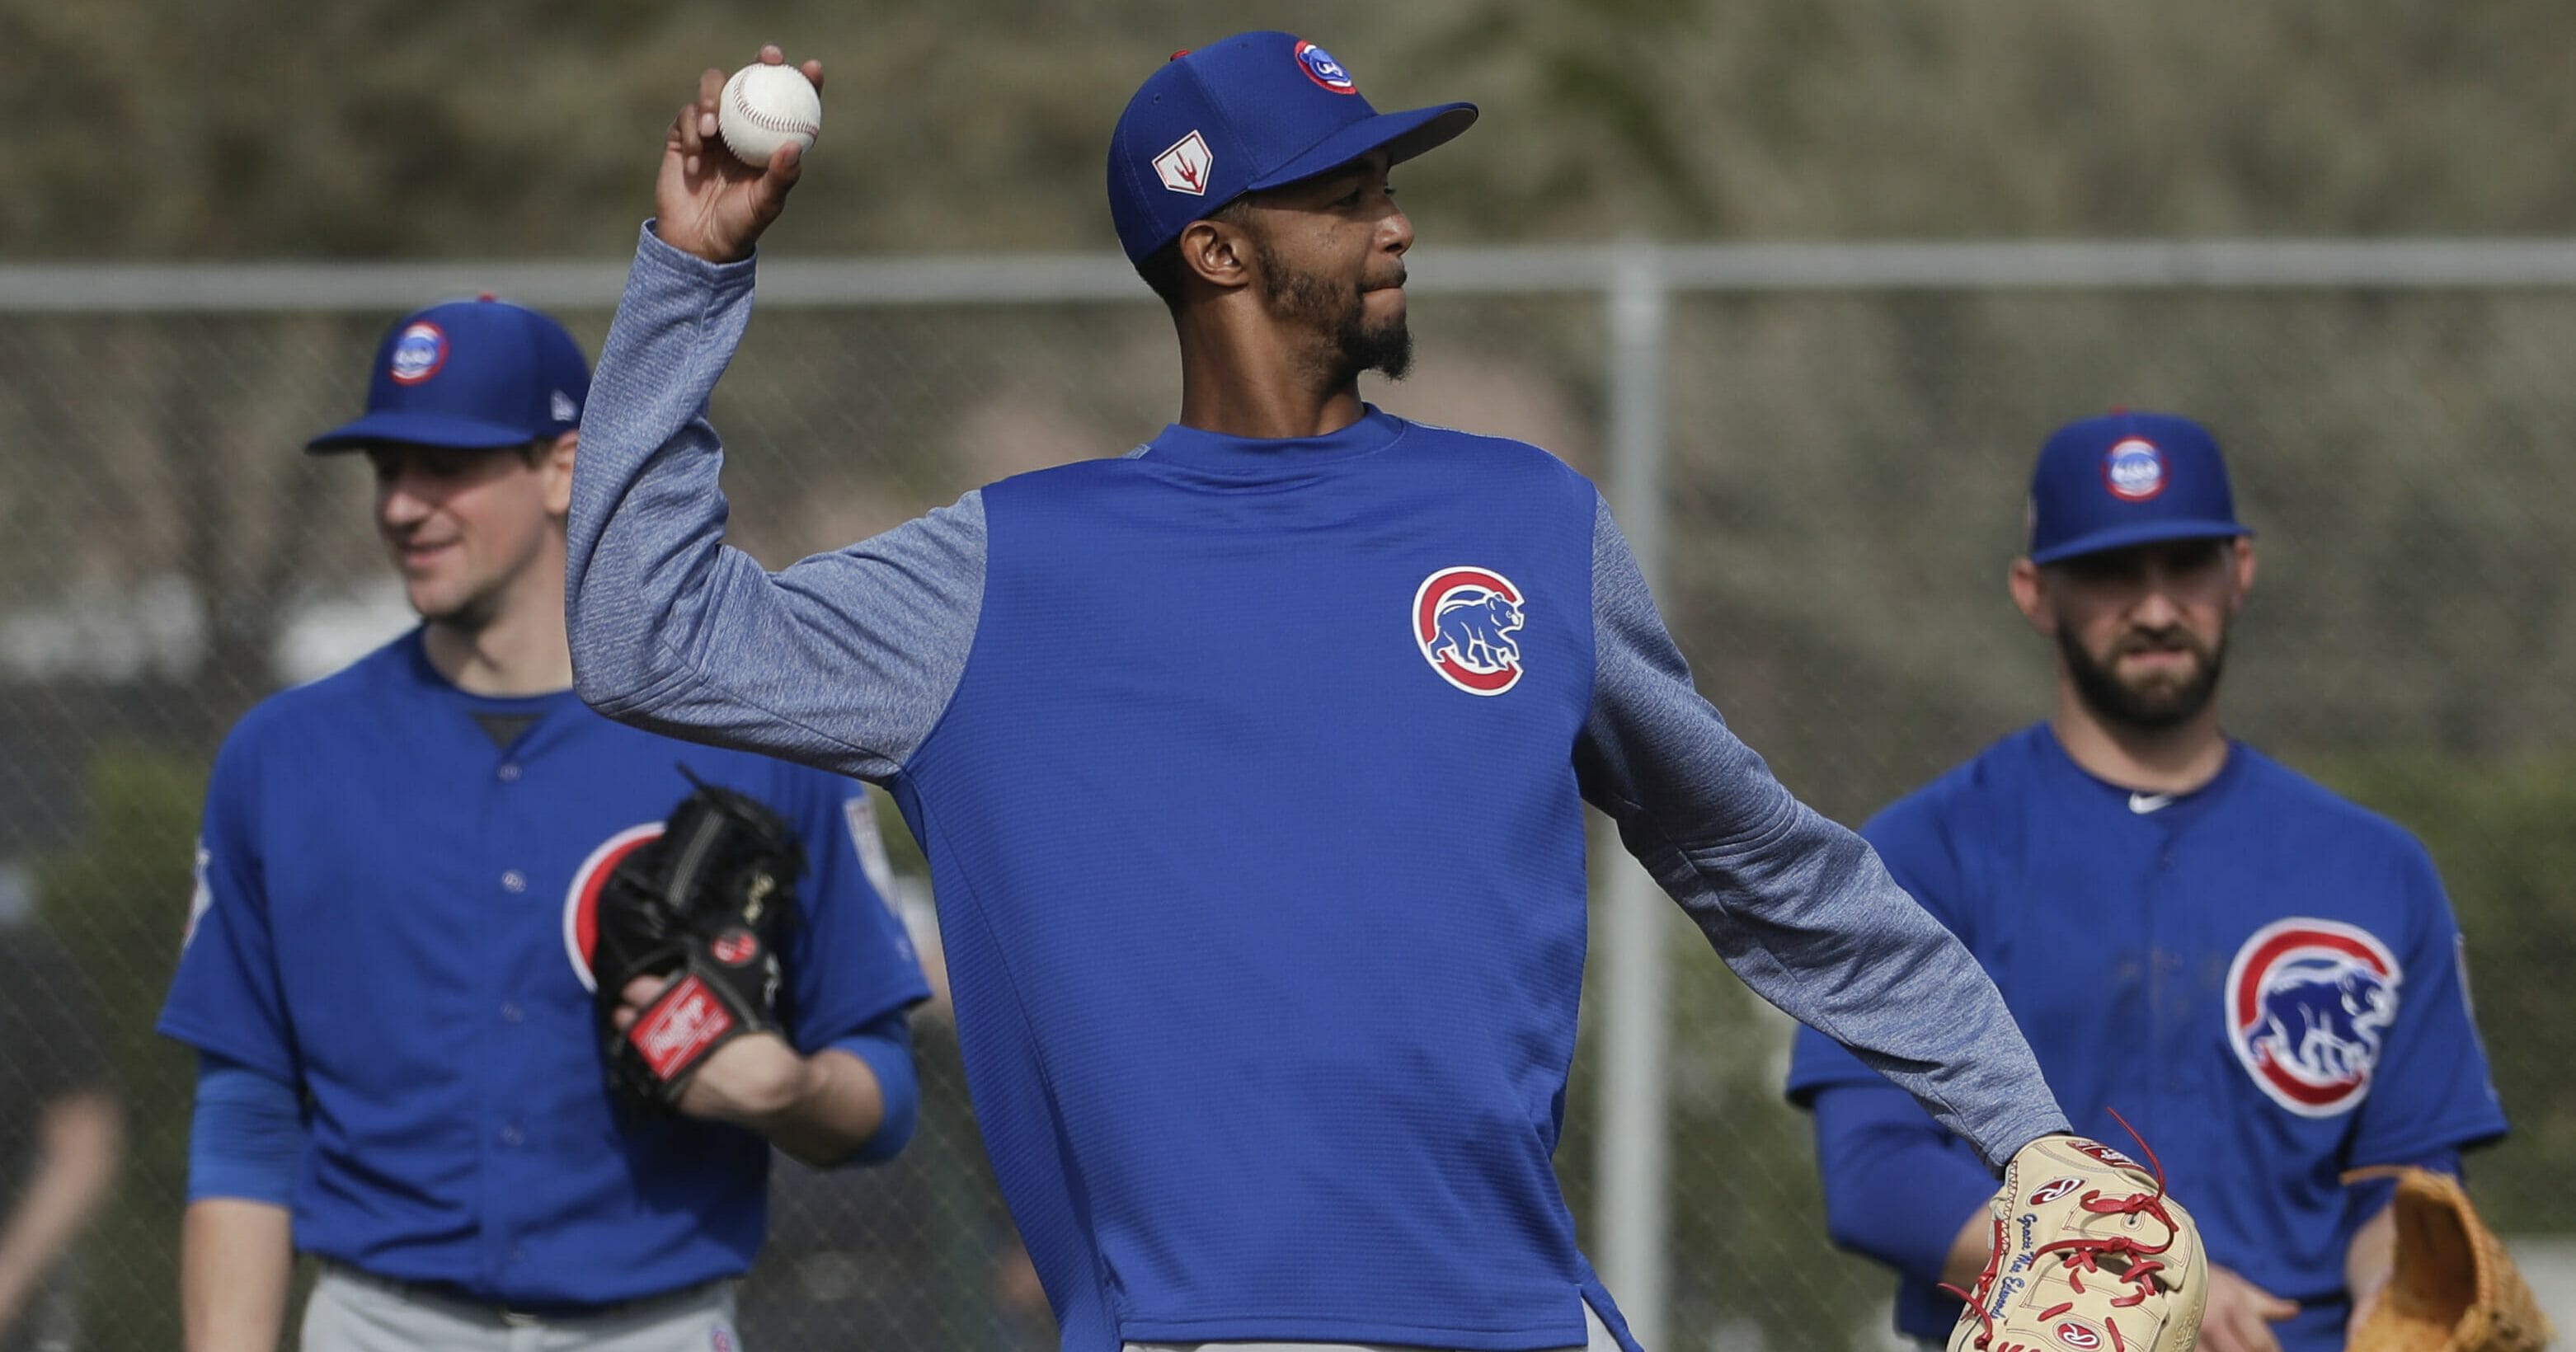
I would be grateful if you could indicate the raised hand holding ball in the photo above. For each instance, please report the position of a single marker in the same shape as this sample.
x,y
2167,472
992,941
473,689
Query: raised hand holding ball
x,y
766,106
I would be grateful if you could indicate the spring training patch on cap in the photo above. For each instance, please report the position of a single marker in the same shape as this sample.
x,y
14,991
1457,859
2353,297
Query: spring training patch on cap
x,y
418,353
2134,470
1321,68
1184,167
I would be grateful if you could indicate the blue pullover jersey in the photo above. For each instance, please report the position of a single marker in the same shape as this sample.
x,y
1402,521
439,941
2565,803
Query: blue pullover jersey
x,y
1251,776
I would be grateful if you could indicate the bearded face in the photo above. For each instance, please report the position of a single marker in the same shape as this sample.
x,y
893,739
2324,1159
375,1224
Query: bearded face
x,y
1336,310
2148,680
2143,631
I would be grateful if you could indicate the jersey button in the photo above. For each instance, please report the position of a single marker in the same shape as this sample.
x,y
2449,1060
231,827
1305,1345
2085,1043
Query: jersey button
x,y
509,772
514,881
511,1013
511,1135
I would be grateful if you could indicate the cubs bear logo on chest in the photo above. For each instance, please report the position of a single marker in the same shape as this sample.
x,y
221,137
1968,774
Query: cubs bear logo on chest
x,y
2308,1001
1464,619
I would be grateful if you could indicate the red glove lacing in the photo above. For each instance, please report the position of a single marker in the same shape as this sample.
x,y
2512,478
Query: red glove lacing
x,y
2085,1255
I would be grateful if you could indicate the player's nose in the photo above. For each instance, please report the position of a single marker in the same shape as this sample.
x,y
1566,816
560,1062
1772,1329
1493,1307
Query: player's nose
x,y
398,503
2156,607
1395,233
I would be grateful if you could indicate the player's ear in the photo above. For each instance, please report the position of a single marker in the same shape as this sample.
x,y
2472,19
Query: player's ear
x,y
2030,596
1218,253
555,463
2241,554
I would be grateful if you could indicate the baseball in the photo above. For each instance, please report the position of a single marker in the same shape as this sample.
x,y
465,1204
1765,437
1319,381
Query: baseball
x,y
765,107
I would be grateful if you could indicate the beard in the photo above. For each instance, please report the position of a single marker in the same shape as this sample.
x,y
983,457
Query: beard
x,y
1353,345
2155,703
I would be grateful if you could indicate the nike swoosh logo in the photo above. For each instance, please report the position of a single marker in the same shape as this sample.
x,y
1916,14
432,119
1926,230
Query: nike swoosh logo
x,y
2144,803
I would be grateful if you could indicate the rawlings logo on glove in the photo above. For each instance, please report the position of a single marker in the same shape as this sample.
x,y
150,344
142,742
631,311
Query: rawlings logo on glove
x,y
2090,1255
708,903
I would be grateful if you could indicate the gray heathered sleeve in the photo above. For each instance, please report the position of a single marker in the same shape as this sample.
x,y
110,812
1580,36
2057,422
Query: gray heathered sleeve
x,y
1799,907
843,660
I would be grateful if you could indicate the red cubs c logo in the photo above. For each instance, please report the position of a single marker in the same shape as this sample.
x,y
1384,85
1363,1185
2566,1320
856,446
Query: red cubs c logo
x,y
581,900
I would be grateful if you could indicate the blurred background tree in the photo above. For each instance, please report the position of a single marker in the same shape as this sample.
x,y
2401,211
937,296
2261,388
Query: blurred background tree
x,y
383,128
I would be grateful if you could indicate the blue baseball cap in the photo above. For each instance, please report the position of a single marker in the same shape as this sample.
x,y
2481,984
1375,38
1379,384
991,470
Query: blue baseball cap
x,y
1254,111
480,374
2128,479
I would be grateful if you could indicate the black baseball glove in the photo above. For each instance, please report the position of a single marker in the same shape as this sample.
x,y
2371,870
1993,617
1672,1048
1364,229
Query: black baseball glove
x,y
710,903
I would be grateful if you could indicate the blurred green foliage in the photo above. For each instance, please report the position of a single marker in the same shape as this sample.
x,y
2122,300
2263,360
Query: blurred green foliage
x,y
249,128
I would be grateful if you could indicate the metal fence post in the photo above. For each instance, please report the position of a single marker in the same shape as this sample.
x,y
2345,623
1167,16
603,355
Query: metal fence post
x,y
1635,1160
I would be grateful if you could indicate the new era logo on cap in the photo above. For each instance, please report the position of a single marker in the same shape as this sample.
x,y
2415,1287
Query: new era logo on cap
x,y
1184,167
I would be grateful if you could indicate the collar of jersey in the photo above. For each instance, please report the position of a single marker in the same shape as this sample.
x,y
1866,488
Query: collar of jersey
x,y
1374,432
2181,810
429,676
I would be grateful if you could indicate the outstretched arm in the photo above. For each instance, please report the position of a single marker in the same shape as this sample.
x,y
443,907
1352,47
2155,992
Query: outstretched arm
x,y
844,660
1798,906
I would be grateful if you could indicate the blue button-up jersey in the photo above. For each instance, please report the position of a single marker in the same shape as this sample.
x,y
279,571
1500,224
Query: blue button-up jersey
x,y
390,915
2261,977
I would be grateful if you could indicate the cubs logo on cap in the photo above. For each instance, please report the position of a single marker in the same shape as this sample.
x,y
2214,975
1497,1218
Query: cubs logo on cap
x,y
2134,469
1463,621
418,353
1324,70
581,899
2308,1001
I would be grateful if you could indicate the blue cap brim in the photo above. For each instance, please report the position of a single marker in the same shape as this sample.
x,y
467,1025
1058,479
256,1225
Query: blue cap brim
x,y
422,429
2139,533
1404,134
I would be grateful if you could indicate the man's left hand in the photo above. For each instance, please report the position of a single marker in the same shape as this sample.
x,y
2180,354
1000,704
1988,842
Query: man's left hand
x,y
749,1081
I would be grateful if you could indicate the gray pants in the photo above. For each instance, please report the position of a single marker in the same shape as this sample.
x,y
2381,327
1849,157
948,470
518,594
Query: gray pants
x,y
353,1312
1596,1339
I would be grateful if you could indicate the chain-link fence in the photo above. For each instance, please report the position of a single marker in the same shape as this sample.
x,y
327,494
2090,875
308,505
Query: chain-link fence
x,y
1841,439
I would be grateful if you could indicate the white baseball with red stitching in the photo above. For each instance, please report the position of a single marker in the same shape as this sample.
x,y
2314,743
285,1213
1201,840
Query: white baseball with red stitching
x,y
764,107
